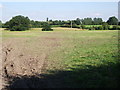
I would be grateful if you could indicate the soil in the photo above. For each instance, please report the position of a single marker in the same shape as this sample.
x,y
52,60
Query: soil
x,y
25,57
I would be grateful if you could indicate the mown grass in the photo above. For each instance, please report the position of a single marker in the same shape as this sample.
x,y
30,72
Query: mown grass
x,y
84,59
88,59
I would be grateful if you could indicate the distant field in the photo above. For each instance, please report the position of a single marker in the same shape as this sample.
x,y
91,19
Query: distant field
x,y
84,25
58,29
62,58
93,25
97,25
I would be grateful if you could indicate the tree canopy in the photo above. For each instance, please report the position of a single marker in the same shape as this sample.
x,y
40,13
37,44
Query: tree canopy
x,y
97,21
46,27
21,23
112,21
87,21
18,23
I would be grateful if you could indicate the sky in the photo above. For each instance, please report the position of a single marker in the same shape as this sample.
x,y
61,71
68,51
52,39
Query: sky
x,y
59,0
39,11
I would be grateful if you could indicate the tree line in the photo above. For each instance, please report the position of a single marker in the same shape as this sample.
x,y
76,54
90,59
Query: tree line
x,y
86,21
21,23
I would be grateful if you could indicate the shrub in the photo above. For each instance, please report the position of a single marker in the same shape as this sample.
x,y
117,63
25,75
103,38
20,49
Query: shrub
x,y
100,28
105,26
116,27
92,28
46,27
96,28
75,26
83,27
119,23
18,28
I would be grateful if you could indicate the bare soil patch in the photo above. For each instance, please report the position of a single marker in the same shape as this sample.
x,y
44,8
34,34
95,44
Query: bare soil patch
x,y
25,57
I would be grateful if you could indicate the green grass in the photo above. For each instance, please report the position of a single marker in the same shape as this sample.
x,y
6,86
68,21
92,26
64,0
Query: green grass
x,y
97,26
87,59
92,25
82,59
54,26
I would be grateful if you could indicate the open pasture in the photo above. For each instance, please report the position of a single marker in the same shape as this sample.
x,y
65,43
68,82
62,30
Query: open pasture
x,y
61,58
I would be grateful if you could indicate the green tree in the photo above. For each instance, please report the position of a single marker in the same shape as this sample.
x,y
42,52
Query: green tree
x,y
18,23
78,21
47,19
87,21
46,27
97,21
112,21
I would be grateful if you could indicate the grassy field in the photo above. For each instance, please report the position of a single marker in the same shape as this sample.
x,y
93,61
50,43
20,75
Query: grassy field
x,y
84,25
74,58
111,26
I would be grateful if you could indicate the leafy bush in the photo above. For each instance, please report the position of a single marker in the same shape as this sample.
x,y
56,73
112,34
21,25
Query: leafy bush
x,y
69,26
105,26
91,28
46,27
83,27
75,26
119,23
115,27
18,28
99,28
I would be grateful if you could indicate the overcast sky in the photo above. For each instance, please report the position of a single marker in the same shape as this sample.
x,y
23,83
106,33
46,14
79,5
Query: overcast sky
x,y
59,10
